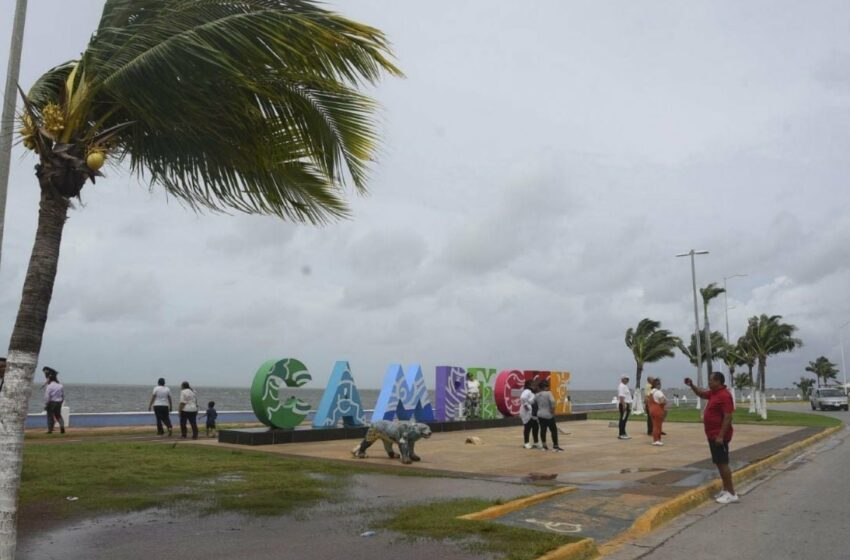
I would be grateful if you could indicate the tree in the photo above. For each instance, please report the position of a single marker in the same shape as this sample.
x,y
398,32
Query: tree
x,y
740,381
649,343
823,369
246,105
716,347
805,385
709,293
768,336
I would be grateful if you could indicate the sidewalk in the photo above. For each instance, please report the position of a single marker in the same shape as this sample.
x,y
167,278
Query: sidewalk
x,y
616,481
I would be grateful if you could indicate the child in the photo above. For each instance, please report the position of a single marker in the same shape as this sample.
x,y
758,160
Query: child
x,y
211,415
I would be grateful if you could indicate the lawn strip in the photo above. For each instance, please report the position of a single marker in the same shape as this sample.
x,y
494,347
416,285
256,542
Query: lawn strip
x,y
439,521
742,416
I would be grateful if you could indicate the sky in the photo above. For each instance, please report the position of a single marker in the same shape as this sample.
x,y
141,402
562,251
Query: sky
x,y
541,166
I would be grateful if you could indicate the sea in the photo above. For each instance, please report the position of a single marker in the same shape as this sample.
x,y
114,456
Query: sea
x,y
134,398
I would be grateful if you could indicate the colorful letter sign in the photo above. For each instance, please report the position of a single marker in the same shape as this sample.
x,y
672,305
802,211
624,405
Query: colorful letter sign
x,y
341,401
267,398
450,393
403,396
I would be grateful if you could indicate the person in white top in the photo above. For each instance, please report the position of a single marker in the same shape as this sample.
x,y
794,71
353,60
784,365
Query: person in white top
x,y
528,413
624,405
473,397
188,408
161,404
54,396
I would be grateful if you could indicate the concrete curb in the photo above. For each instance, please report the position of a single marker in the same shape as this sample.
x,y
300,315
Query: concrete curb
x,y
513,505
584,549
662,513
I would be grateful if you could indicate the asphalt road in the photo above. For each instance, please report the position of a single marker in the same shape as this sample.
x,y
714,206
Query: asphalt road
x,y
799,510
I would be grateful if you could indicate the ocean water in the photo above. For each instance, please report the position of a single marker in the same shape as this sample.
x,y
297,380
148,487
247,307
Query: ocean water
x,y
135,398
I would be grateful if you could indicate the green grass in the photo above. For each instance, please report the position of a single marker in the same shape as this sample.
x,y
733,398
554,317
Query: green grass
x,y
438,521
126,476
774,418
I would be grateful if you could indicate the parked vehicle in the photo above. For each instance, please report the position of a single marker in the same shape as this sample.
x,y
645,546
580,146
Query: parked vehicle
x,y
828,397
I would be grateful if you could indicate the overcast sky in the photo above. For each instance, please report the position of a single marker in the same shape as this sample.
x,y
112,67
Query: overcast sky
x,y
542,164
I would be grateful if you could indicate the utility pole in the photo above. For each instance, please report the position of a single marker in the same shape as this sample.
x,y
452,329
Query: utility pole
x,y
691,254
7,120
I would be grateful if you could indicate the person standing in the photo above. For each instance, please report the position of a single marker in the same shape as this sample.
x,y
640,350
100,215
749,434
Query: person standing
x,y
161,404
649,381
657,411
188,408
211,414
473,397
527,413
546,415
624,404
717,420
54,396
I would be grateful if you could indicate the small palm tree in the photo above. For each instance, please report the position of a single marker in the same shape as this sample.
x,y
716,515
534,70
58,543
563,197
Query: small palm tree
x,y
649,343
709,293
805,385
740,381
744,350
823,369
716,348
768,336
730,356
246,105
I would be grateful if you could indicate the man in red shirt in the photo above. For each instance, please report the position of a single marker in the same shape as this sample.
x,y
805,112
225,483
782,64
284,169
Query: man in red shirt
x,y
717,419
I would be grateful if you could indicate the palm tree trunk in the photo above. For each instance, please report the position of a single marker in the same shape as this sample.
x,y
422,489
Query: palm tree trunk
x,y
637,405
22,359
709,357
761,375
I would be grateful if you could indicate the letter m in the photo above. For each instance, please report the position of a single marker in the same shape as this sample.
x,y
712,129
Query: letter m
x,y
403,396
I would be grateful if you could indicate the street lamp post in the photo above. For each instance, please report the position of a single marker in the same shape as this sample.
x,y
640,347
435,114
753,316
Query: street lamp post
x,y
843,366
726,302
691,254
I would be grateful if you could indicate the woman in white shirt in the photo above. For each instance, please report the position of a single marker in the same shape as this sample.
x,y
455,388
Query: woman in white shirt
x,y
161,405
473,397
658,410
528,414
188,408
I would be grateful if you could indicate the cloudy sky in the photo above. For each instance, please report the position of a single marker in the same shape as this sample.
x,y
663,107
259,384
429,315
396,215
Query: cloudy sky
x,y
542,165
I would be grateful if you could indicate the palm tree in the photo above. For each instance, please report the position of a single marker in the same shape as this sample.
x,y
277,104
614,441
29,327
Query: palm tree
x,y
740,381
649,343
805,386
767,336
823,369
709,293
730,355
247,105
717,348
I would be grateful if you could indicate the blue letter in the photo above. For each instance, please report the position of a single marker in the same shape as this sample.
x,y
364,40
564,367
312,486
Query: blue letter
x,y
341,401
404,395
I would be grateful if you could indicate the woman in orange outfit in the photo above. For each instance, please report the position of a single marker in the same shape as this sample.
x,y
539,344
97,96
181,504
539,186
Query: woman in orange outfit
x,y
657,410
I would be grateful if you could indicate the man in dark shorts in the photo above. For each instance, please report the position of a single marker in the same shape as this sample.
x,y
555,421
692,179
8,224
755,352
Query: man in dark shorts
x,y
717,420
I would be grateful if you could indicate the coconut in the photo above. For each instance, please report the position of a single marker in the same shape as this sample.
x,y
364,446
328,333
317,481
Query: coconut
x,y
95,160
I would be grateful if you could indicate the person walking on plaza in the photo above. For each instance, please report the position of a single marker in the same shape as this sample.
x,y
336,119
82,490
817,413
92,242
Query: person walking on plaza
x,y
546,415
528,413
624,404
657,410
211,414
188,408
54,396
717,419
649,380
161,404
472,404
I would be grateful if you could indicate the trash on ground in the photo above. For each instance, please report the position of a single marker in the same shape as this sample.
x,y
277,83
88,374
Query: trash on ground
x,y
367,534
474,440
72,498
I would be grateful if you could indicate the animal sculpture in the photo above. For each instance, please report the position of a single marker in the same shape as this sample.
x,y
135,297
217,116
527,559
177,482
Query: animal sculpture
x,y
403,434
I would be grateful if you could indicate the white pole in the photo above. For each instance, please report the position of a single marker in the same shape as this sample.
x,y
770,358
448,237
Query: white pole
x,y
7,119
696,321
843,366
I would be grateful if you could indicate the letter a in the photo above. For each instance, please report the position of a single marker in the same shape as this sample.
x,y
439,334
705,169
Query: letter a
x,y
340,401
